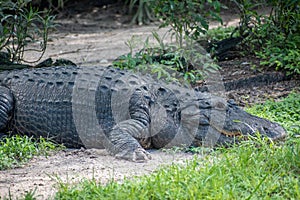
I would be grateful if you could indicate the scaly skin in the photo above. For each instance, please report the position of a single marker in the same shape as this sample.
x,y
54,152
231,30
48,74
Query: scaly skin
x,y
125,113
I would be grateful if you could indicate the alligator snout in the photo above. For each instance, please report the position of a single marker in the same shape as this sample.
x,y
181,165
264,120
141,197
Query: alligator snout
x,y
274,131
232,124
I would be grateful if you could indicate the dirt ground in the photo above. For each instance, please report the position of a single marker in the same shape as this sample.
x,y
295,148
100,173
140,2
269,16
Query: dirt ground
x,y
43,174
96,37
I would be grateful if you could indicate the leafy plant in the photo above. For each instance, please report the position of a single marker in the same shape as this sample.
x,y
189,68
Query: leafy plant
x,y
20,25
188,20
282,53
169,62
274,38
188,17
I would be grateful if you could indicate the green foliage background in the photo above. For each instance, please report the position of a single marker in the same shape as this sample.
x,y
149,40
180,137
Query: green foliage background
x,y
274,38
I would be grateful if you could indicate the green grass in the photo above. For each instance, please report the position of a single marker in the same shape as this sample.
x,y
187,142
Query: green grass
x,y
256,169
16,150
244,172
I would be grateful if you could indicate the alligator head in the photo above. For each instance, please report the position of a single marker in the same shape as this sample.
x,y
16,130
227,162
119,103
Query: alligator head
x,y
222,122
202,119
209,120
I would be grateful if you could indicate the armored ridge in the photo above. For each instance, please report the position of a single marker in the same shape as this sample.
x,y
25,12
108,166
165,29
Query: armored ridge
x,y
126,113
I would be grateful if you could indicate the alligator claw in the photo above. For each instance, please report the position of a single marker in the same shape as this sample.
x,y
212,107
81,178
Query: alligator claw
x,y
138,155
141,155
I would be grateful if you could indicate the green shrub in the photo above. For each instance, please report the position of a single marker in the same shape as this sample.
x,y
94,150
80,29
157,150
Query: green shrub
x,y
219,33
282,52
169,62
187,18
274,38
20,25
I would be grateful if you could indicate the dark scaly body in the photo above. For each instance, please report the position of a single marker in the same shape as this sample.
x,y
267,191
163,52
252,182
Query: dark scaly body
x,y
121,111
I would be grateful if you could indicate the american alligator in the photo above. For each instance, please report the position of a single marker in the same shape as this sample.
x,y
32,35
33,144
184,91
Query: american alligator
x,y
126,113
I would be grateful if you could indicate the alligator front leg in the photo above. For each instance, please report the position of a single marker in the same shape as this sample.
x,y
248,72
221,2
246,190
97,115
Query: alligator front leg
x,y
124,136
6,107
122,143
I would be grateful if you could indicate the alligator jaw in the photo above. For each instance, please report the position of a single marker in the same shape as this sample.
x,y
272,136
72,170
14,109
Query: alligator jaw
x,y
280,133
227,133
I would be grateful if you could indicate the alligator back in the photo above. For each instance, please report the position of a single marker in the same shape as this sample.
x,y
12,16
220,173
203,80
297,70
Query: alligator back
x,y
71,105
43,104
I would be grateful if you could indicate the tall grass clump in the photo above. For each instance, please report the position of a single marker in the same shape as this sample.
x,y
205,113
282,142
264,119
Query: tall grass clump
x,y
17,150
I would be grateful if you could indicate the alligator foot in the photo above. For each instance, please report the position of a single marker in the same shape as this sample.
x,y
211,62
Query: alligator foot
x,y
138,155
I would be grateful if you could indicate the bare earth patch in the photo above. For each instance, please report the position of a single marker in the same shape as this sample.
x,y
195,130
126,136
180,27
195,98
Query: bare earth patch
x,y
43,174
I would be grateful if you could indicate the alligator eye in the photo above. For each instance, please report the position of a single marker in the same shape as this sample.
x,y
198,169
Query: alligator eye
x,y
220,105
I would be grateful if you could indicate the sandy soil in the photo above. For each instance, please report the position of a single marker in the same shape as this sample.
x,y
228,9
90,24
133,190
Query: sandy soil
x,y
43,174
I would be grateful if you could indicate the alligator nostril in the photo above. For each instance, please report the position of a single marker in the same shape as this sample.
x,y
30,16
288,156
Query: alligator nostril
x,y
276,133
281,133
